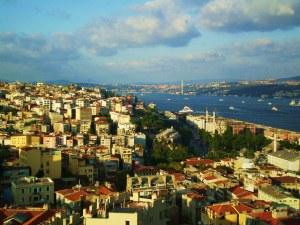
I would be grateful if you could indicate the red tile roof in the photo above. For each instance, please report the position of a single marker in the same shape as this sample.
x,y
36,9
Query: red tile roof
x,y
198,161
102,190
195,196
73,195
210,177
179,176
286,179
35,216
221,209
76,196
240,192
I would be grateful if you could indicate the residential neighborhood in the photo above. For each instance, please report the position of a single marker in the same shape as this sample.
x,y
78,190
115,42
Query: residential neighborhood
x,y
84,155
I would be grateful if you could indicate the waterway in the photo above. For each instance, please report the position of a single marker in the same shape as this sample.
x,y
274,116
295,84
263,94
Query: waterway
x,y
249,109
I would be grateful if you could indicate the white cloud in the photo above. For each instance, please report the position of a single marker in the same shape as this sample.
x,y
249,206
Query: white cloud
x,y
158,22
249,15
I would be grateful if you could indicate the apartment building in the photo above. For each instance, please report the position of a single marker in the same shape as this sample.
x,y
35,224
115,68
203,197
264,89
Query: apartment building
x,y
30,191
285,159
46,160
277,195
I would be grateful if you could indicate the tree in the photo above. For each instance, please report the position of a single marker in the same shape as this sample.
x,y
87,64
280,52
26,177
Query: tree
x,y
121,180
159,153
229,144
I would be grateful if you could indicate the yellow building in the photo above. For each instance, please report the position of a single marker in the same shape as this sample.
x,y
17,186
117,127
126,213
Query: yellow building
x,y
85,126
25,140
191,207
127,217
35,141
83,113
225,214
125,154
151,183
79,167
46,160
138,211
274,194
288,160
102,127
28,191
20,140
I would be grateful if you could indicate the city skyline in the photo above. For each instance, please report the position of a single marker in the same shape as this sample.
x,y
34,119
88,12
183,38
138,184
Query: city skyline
x,y
154,40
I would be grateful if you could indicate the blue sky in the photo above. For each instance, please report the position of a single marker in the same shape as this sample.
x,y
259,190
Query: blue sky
x,y
149,41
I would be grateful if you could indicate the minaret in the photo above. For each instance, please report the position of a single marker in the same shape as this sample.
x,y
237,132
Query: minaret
x,y
214,121
206,115
275,142
181,89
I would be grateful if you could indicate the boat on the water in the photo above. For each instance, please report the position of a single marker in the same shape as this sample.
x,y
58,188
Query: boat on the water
x,y
185,110
243,102
231,108
294,103
274,108
269,103
221,100
260,100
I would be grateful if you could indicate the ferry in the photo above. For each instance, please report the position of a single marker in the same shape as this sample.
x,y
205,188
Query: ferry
x,y
185,110
269,103
274,108
260,100
294,103
231,108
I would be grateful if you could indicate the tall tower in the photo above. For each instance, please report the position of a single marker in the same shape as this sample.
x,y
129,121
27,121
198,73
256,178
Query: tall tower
x,y
275,142
181,87
206,115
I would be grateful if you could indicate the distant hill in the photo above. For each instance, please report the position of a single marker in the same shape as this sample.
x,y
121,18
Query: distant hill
x,y
297,78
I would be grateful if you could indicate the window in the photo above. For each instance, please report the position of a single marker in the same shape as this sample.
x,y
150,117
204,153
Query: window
x,y
23,191
127,222
47,188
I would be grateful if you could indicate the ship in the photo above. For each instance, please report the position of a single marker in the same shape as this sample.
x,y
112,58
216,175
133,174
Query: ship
x,y
294,103
185,110
274,108
231,107
221,100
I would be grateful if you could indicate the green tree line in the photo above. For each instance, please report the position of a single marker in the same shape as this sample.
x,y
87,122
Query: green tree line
x,y
229,144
